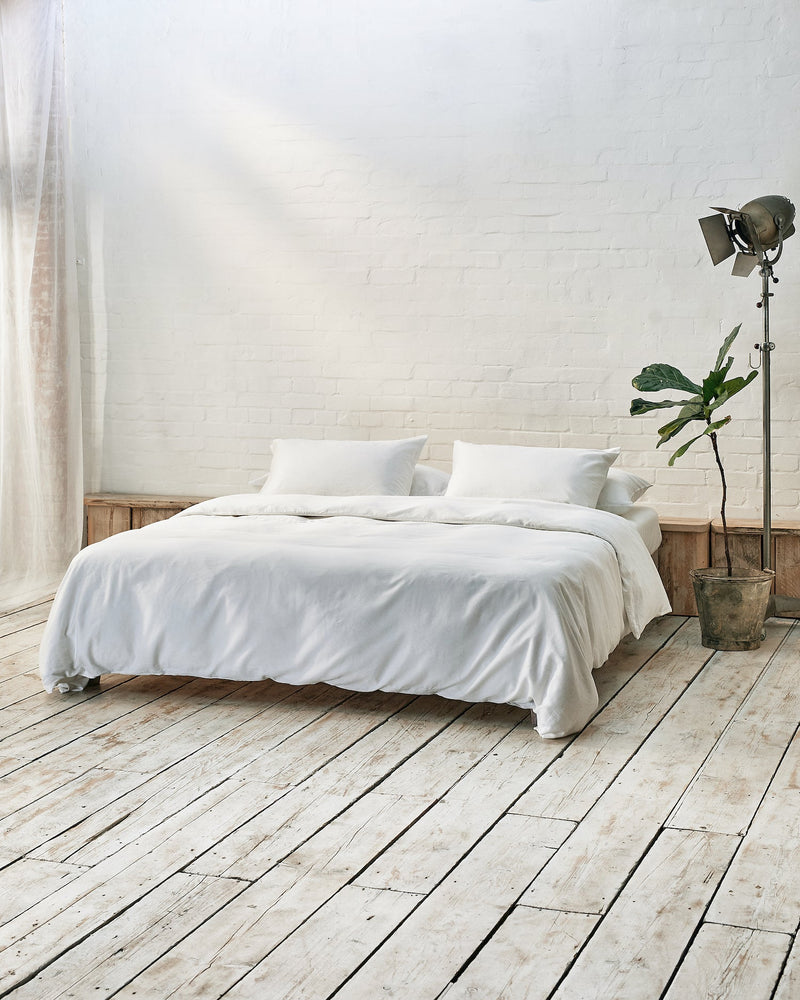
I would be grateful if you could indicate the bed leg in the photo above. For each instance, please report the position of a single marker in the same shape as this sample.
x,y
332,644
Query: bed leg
x,y
93,682
533,718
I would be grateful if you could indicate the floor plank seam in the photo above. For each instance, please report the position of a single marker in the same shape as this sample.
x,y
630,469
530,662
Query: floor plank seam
x,y
360,965
379,722
191,930
785,752
333,818
94,696
209,743
94,929
747,927
373,788
786,959
503,919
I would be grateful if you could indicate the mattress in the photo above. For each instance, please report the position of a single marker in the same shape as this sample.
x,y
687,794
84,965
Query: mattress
x,y
645,520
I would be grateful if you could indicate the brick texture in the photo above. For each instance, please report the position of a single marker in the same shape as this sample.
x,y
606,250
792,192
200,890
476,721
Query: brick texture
x,y
467,219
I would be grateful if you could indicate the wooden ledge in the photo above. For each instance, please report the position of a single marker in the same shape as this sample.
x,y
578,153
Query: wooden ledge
x,y
745,526
140,500
689,525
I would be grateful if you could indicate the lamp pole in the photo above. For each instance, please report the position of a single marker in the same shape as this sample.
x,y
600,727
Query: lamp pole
x,y
765,349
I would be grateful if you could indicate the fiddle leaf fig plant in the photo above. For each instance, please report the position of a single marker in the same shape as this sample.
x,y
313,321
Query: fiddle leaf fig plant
x,y
701,405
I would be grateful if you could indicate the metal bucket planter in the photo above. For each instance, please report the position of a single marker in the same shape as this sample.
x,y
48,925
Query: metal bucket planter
x,y
732,609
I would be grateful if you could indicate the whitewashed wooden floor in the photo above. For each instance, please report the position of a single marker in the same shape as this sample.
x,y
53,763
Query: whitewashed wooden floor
x,y
169,837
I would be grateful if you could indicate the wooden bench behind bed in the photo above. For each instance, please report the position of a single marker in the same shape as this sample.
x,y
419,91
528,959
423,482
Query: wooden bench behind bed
x,y
688,543
109,513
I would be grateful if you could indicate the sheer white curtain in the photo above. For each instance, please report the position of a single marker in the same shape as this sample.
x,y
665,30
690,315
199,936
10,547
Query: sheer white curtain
x,y
40,427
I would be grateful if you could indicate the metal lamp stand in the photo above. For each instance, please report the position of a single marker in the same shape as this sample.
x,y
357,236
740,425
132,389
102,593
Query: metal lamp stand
x,y
765,349
756,228
779,604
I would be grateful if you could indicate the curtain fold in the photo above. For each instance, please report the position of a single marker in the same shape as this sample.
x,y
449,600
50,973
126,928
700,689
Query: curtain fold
x,y
41,502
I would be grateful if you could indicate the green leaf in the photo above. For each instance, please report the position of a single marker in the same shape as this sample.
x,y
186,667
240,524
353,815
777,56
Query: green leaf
x,y
716,425
727,368
726,346
730,388
655,378
683,449
640,406
694,411
712,384
688,444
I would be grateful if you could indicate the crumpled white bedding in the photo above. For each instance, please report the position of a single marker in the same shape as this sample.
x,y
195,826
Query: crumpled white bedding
x,y
482,600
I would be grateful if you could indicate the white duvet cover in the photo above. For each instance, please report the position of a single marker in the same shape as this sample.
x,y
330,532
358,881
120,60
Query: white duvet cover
x,y
482,600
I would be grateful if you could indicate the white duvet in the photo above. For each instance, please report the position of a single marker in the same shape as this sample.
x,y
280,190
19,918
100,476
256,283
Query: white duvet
x,y
482,600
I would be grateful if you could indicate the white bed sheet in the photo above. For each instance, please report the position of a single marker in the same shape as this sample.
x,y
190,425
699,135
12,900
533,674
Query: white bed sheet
x,y
503,601
645,520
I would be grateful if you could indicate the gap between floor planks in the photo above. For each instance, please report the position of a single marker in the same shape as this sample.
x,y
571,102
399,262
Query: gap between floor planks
x,y
172,837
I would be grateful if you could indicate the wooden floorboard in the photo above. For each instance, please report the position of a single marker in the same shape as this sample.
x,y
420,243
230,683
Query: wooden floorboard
x,y
178,838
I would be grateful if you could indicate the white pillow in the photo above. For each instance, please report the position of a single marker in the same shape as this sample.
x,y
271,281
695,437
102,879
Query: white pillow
x,y
343,468
621,491
565,475
428,482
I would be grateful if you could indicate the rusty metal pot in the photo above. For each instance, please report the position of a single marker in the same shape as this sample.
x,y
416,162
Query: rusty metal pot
x,y
732,609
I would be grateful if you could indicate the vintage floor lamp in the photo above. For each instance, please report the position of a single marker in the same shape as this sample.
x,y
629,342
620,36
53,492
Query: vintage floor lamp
x,y
755,231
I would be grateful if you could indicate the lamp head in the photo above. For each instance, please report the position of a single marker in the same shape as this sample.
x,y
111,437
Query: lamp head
x,y
761,225
771,218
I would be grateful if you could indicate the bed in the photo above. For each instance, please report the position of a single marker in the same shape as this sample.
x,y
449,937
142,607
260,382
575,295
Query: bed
x,y
482,599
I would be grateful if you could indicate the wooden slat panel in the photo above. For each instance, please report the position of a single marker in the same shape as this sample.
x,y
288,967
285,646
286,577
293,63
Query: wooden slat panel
x,y
167,501
684,547
102,521
141,516
745,544
787,564
109,513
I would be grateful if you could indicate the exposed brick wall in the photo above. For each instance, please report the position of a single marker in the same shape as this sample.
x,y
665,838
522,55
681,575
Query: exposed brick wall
x,y
371,220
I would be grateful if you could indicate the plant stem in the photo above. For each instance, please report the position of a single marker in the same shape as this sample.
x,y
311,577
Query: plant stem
x,y
713,437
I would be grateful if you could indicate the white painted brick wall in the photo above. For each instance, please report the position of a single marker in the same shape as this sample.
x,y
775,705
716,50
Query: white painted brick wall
x,y
373,220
